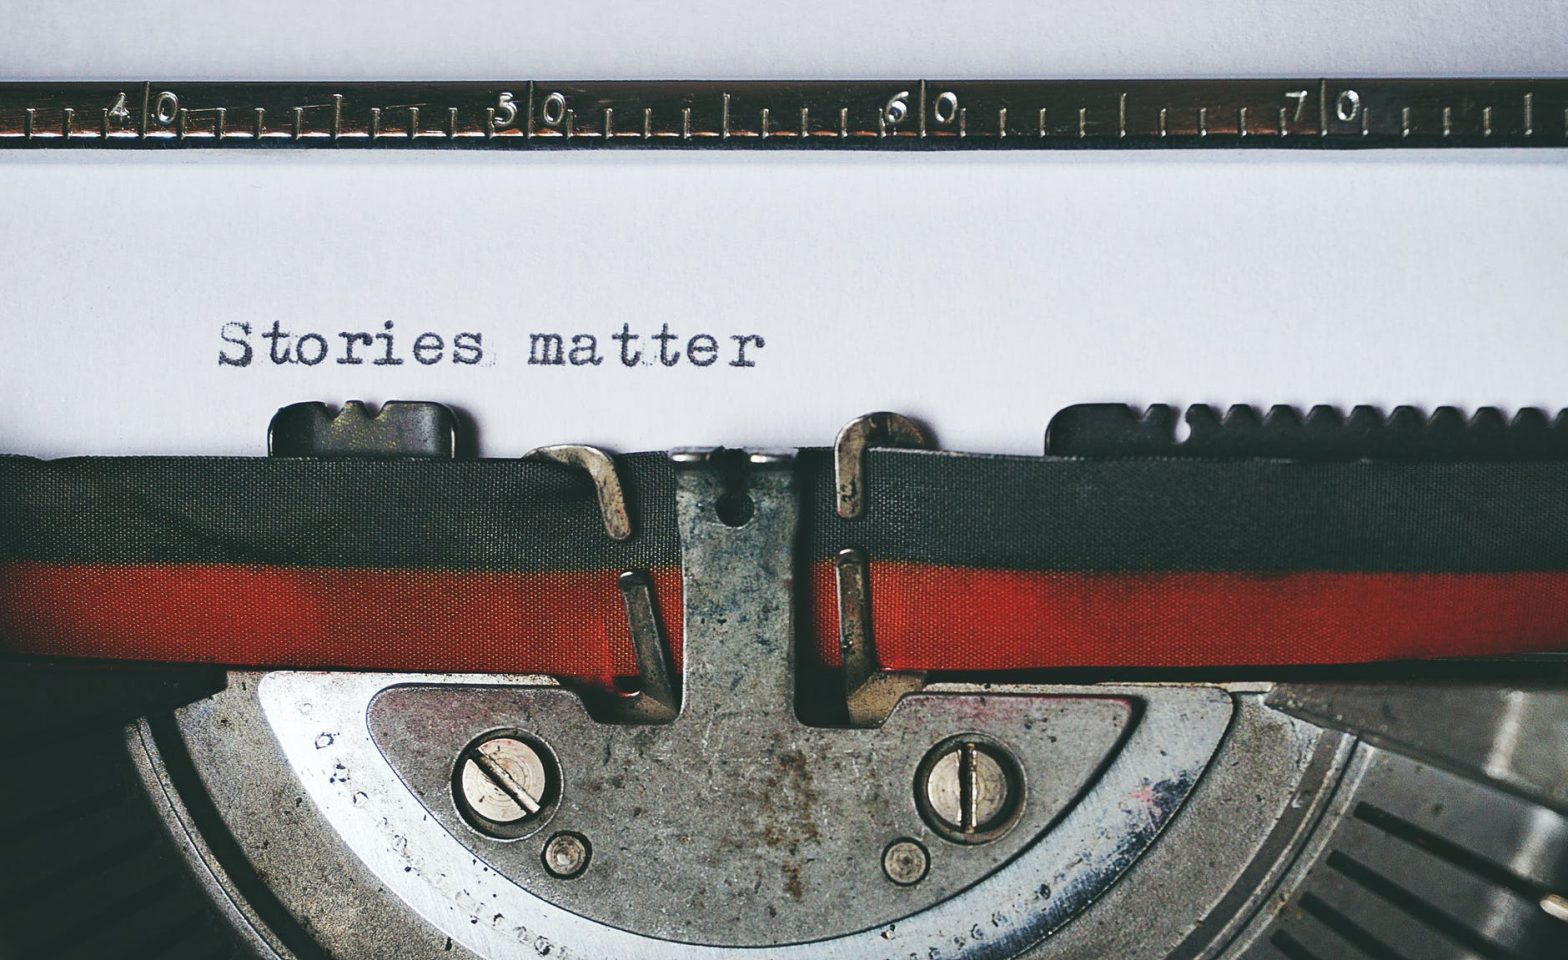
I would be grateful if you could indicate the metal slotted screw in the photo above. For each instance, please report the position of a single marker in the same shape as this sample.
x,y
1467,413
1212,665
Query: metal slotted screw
x,y
504,780
969,789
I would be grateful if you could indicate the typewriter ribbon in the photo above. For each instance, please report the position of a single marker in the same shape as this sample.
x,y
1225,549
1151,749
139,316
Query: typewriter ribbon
x,y
974,563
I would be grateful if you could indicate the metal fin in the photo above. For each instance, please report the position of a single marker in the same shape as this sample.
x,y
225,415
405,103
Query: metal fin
x,y
401,428
880,429
656,699
870,692
606,482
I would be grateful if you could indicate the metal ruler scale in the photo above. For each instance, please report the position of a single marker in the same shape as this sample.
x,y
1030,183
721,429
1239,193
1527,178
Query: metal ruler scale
x,y
892,114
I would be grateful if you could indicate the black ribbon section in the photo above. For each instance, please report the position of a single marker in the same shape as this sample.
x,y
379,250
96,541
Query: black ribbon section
x,y
930,507
1030,513
507,515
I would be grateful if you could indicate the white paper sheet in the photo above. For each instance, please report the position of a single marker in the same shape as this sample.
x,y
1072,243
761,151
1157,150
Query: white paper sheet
x,y
978,292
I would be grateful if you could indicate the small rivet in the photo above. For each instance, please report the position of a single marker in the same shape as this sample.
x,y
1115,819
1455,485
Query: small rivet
x,y
566,854
905,862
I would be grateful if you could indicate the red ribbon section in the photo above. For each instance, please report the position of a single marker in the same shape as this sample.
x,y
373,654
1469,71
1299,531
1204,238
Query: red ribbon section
x,y
566,623
928,617
924,617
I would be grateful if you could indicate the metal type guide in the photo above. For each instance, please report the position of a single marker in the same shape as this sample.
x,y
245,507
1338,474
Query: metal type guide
x,y
1291,687
888,114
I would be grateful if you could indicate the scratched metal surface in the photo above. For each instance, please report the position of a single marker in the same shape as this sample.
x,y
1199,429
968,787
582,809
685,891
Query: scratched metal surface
x,y
1244,821
891,114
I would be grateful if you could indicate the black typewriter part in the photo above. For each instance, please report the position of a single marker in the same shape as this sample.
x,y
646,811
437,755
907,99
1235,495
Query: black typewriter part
x,y
1295,113
1322,433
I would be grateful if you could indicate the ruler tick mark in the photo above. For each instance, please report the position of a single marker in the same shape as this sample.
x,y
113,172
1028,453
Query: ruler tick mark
x,y
1001,123
1404,121
1083,122
1042,121
922,109
182,123
451,124
763,123
685,123
724,119
647,123
220,123
1162,121
609,122
1241,122
337,116
843,122
1284,130
1203,121
261,121
375,122
805,127
1366,120
413,123
67,121
489,123
1529,114
963,122
299,122
1121,115
1486,121
571,119
1448,120
28,118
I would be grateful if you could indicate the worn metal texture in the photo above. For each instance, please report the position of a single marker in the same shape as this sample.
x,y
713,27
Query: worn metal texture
x,y
1242,856
600,467
881,429
267,846
870,692
1415,861
401,428
195,846
1449,837
1515,736
1159,822
753,829
1221,860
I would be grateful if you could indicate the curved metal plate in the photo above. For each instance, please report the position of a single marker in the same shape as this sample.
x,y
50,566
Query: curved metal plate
x,y
753,829
321,722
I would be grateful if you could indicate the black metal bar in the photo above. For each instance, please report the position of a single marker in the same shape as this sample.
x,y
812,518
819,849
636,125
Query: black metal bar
x,y
890,114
